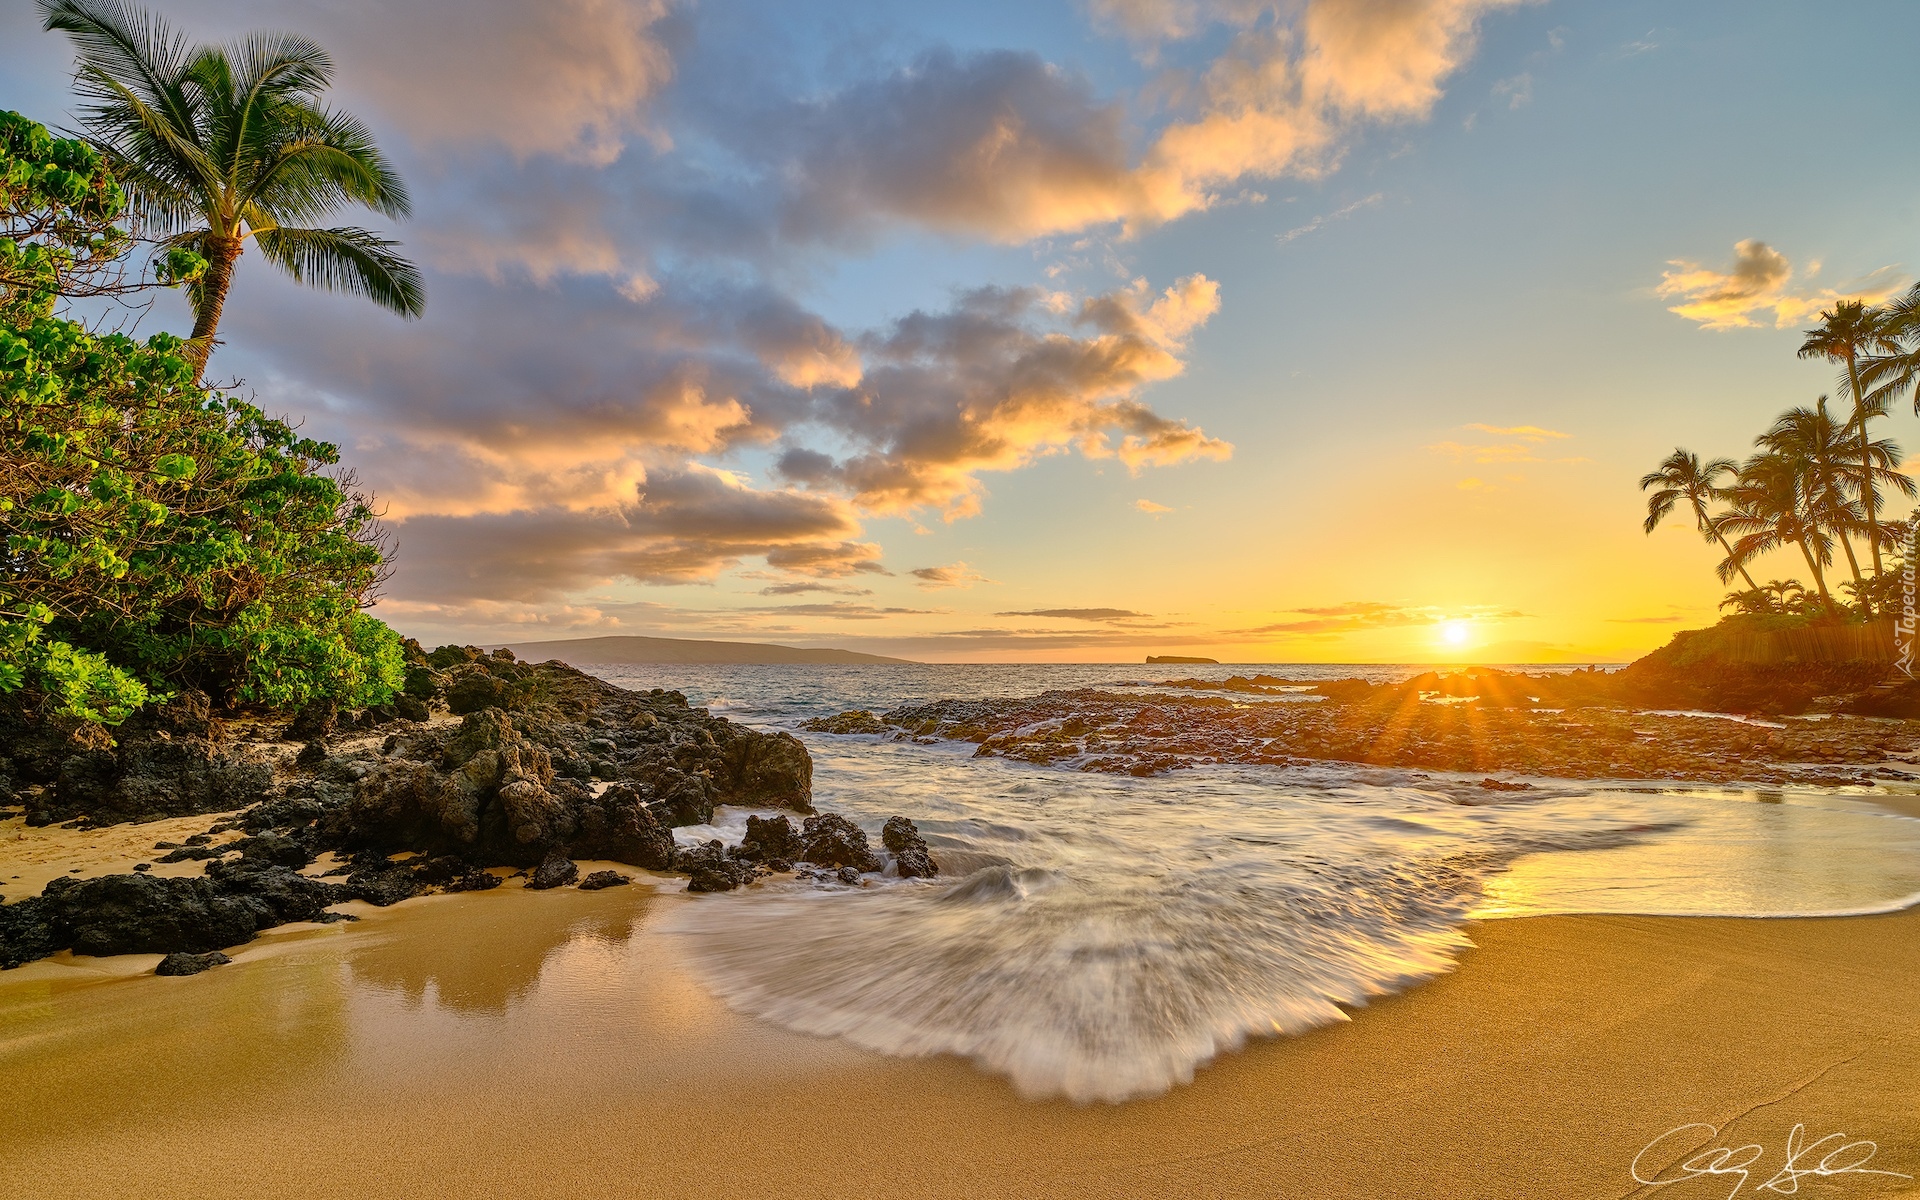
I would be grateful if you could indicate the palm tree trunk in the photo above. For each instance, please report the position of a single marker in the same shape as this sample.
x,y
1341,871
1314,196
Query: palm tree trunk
x,y
1846,543
1868,499
1813,564
222,254
1738,566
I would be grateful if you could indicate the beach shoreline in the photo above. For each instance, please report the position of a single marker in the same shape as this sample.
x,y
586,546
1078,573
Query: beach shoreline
x,y
466,1045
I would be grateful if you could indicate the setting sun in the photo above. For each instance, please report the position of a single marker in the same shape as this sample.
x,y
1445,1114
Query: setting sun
x,y
1455,633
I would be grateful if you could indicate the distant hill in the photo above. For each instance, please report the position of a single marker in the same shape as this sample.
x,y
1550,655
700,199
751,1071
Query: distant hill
x,y
1178,658
682,650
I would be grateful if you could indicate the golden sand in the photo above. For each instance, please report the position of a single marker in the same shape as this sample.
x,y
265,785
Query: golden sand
x,y
510,1042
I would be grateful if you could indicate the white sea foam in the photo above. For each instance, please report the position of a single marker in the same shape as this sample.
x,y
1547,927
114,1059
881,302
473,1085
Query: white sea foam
x,y
1100,938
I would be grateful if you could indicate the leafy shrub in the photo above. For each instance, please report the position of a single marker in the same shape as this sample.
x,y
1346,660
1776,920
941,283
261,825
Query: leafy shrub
x,y
154,534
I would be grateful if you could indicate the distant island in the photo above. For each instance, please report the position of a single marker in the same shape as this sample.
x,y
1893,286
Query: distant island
x,y
1180,658
682,650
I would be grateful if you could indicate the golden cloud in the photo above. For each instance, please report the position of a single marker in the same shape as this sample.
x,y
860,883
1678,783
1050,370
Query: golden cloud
x,y
1755,291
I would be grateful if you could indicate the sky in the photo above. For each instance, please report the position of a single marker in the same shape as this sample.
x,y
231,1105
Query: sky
x,y
1310,331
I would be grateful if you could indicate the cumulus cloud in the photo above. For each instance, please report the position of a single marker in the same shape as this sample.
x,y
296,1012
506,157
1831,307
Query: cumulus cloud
x,y
1002,378
568,78
1756,290
682,526
953,575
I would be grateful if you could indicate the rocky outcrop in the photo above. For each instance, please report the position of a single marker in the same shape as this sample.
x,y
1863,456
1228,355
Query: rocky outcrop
x,y
769,840
830,840
182,963
604,879
911,859
556,870
141,914
172,761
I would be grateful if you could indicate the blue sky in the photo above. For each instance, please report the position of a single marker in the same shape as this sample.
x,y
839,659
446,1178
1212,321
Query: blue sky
x,y
1405,374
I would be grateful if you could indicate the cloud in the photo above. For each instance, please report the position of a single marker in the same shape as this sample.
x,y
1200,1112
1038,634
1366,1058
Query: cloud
x,y
1525,447
1518,90
1149,507
954,575
1080,614
683,526
1338,214
802,587
843,612
1755,291
1667,620
1003,378
568,78
1006,146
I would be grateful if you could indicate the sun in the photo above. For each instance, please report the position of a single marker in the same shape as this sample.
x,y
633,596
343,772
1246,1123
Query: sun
x,y
1455,633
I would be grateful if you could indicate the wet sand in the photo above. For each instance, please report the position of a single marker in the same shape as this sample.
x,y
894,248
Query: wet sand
x,y
511,1042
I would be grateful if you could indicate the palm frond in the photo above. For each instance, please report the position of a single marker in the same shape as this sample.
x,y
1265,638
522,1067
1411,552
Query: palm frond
x,y
355,261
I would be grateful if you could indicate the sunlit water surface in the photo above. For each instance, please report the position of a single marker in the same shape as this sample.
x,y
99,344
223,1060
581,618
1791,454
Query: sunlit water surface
x,y
1100,937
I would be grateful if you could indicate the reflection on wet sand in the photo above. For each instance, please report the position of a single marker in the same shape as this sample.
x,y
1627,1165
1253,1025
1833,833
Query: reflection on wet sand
x,y
495,958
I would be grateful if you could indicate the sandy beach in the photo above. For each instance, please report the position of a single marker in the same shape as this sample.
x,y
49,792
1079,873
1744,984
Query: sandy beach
x,y
473,1045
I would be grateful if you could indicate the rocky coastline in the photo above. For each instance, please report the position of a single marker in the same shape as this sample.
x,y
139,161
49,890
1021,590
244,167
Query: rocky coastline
x,y
1582,725
485,767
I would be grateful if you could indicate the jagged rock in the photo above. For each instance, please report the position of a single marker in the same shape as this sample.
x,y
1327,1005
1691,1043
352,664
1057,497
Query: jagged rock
x,y
911,858
858,720
619,826
411,708
182,963
314,722
271,850
141,914
604,879
830,840
473,691
475,880
710,870
769,839
159,768
422,683
385,884
554,871
770,770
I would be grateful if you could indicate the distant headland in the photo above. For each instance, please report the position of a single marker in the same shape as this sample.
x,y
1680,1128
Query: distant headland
x,y
627,649
1180,658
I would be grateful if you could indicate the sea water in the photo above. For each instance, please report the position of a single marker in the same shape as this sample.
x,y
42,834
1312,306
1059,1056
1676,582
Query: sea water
x,y
1099,937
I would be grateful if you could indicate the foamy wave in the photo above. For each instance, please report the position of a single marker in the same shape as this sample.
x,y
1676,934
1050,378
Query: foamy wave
x,y
1093,993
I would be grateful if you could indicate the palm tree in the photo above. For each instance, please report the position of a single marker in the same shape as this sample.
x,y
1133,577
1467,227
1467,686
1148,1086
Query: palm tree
x,y
216,145
1812,444
1770,510
1888,371
1682,476
1847,332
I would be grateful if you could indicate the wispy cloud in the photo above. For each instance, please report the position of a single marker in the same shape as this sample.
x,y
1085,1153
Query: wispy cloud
x,y
1518,90
1756,291
1338,214
1080,614
1148,506
1524,445
1337,619
953,575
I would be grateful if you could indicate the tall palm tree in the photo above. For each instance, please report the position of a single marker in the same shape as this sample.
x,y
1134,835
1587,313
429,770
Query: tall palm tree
x,y
1682,476
1770,510
1847,332
219,144
1888,371
1813,445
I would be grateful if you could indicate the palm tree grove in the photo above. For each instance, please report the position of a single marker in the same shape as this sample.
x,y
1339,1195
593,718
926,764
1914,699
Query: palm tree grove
x,y
1817,483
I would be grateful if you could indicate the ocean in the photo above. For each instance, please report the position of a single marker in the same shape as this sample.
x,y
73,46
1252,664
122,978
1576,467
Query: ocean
x,y
1100,937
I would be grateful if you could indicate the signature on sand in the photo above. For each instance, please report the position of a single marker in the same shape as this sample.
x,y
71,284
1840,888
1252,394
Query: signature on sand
x,y
1821,1159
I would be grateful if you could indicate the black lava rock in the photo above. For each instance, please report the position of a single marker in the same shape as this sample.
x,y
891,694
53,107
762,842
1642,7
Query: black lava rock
x,y
182,963
911,858
554,871
604,879
830,840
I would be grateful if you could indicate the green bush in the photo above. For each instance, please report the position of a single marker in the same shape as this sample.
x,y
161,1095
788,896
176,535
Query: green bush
x,y
154,534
